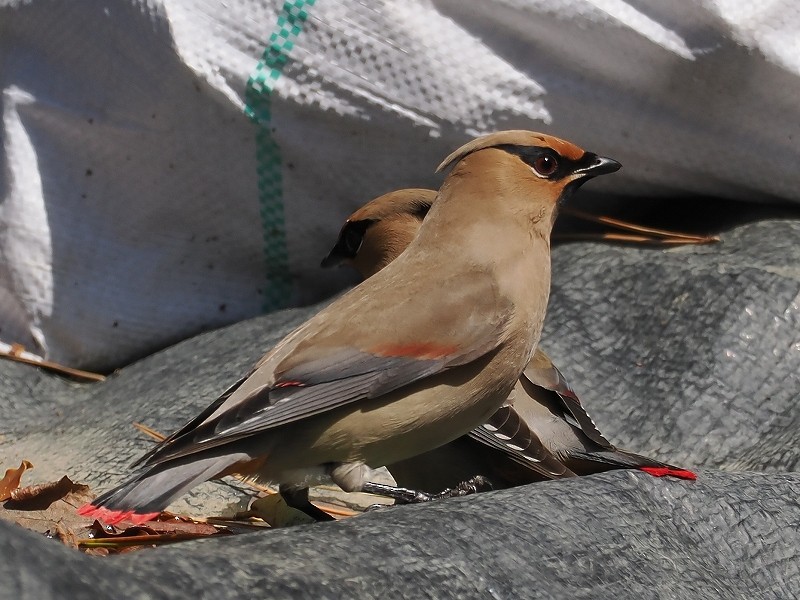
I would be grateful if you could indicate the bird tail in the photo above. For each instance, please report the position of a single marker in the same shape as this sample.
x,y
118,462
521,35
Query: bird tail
x,y
606,460
142,497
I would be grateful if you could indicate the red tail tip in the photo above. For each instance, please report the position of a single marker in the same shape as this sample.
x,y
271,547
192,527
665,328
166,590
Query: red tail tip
x,y
112,517
669,472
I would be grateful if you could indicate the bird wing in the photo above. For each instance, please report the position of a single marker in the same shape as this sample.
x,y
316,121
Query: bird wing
x,y
315,380
207,412
507,432
548,377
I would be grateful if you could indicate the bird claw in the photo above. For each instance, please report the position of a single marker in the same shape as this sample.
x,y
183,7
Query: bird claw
x,y
476,484
420,497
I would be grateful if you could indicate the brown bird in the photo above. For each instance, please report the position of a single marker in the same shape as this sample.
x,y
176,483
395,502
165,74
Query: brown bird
x,y
541,432
414,357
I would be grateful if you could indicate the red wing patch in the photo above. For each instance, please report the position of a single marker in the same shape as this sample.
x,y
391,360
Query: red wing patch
x,y
285,384
423,350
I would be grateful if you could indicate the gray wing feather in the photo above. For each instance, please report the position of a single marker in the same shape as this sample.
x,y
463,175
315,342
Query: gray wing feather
x,y
507,432
320,380
569,405
270,407
288,404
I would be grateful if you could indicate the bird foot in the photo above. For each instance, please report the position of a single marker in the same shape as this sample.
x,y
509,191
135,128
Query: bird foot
x,y
298,498
476,484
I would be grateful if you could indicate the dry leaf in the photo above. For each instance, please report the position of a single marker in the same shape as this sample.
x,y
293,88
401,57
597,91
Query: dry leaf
x,y
11,479
49,508
273,509
41,496
164,524
64,535
167,529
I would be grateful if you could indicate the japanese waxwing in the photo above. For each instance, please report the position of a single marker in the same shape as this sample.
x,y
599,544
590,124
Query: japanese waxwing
x,y
414,357
541,432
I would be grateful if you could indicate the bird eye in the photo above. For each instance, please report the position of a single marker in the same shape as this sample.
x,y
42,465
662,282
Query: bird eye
x,y
545,165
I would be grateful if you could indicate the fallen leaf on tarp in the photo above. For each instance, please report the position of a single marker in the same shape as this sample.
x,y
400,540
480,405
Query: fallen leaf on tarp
x,y
11,479
166,529
273,509
48,508
166,522
43,495
63,535
51,509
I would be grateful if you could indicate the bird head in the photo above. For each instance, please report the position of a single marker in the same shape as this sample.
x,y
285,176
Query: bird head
x,y
379,231
555,167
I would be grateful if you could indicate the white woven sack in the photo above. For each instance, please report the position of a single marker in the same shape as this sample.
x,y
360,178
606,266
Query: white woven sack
x,y
169,166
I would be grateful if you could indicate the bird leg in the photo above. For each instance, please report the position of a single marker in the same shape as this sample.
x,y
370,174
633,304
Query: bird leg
x,y
297,497
401,495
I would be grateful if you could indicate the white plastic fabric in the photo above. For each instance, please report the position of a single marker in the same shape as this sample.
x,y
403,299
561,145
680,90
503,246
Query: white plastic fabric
x,y
168,166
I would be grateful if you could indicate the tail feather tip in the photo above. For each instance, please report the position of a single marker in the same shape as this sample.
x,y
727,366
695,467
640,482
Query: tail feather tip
x,y
669,472
112,517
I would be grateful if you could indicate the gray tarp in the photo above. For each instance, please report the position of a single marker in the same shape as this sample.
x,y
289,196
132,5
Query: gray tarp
x,y
691,355
619,535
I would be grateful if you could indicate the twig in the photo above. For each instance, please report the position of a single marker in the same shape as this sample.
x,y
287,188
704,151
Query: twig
x,y
627,226
17,353
139,540
639,239
159,437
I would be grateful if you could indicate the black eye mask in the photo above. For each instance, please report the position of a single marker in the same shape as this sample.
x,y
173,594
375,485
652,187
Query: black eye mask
x,y
349,242
566,166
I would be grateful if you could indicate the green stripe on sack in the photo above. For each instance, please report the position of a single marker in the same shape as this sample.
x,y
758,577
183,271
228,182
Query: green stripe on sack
x,y
268,155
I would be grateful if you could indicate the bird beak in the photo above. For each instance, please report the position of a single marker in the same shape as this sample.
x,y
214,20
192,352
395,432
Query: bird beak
x,y
598,165
333,258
